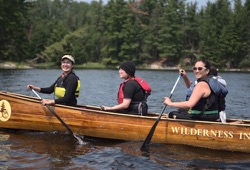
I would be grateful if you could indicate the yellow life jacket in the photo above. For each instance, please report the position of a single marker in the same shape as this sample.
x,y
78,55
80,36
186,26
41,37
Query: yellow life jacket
x,y
60,91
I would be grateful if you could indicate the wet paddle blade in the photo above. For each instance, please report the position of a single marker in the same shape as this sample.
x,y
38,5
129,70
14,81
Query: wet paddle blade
x,y
152,130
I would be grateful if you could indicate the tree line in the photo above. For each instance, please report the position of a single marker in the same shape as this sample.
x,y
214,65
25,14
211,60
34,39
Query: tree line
x,y
143,31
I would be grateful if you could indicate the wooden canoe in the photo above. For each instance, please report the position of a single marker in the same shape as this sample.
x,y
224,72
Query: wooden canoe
x,y
24,112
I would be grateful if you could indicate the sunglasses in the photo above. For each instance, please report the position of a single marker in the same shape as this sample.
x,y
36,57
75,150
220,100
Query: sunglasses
x,y
199,68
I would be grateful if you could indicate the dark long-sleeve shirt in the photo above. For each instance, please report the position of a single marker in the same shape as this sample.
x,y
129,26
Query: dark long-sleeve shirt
x,y
70,83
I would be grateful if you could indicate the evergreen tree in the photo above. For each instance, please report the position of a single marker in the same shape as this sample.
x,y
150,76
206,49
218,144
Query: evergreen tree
x,y
139,30
117,14
171,31
191,36
12,30
216,19
245,63
152,31
233,44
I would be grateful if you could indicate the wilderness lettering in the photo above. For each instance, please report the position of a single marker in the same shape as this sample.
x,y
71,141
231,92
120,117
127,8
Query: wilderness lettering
x,y
245,136
209,133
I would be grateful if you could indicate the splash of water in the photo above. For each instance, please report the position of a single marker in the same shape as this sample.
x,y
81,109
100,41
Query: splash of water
x,y
80,141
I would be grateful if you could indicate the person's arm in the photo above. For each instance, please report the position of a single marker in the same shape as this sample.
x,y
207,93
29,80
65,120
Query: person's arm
x,y
31,86
124,105
38,89
187,81
48,101
47,90
128,90
201,90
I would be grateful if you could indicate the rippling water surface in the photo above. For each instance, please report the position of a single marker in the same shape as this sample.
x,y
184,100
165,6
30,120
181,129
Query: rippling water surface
x,y
54,150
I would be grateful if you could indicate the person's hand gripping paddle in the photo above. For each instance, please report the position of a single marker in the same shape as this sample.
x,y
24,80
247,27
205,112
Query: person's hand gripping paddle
x,y
58,117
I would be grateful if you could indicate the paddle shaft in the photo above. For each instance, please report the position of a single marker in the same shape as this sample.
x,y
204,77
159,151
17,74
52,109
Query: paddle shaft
x,y
54,113
151,132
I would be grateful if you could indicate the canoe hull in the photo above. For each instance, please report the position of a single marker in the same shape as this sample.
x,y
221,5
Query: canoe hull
x,y
28,113
231,137
25,112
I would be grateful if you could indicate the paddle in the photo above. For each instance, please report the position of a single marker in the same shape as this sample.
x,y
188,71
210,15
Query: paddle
x,y
58,117
151,132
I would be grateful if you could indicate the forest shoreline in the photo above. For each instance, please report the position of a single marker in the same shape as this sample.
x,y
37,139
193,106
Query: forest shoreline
x,y
152,66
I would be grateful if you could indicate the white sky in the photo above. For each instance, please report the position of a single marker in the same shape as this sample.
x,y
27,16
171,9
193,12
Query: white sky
x,y
200,2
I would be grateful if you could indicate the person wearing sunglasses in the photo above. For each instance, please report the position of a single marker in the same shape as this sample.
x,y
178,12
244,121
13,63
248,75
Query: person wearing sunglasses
x,y
190,85
221,88
203,103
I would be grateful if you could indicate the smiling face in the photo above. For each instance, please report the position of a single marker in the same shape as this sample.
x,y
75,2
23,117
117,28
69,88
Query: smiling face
x,y
66,65
200,70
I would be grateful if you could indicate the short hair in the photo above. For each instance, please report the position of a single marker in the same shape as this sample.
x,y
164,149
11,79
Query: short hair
x,y
213,71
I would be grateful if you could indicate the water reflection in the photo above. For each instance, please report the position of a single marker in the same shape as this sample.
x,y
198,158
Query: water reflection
x,y
43,150
4,150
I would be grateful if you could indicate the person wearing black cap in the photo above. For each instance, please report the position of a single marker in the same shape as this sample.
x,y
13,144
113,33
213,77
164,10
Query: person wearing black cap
x,y
131,95
66,87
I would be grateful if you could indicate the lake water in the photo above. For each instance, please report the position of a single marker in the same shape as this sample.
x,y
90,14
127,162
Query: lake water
x,y
55,150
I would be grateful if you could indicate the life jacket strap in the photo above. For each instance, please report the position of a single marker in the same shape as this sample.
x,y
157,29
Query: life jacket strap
x,y
205,112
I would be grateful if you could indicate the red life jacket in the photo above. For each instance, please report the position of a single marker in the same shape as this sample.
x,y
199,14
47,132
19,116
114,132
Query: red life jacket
x,y
145,86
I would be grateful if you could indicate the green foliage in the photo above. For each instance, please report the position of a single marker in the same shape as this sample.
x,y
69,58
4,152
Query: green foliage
x,y
191,36
12,30
172,30
141,31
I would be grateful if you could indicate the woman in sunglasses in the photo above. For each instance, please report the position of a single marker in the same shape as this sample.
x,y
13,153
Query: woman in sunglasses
x,y
203,102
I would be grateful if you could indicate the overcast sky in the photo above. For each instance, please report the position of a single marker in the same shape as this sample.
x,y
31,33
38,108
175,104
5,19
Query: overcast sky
x,y
200,2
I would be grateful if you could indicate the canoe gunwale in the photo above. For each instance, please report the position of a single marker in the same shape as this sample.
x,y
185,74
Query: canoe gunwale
x,y
98,110
93,122
150,116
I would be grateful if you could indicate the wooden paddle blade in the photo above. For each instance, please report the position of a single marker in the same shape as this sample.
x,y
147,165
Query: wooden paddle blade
x,y
152,130
59,118
150,135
